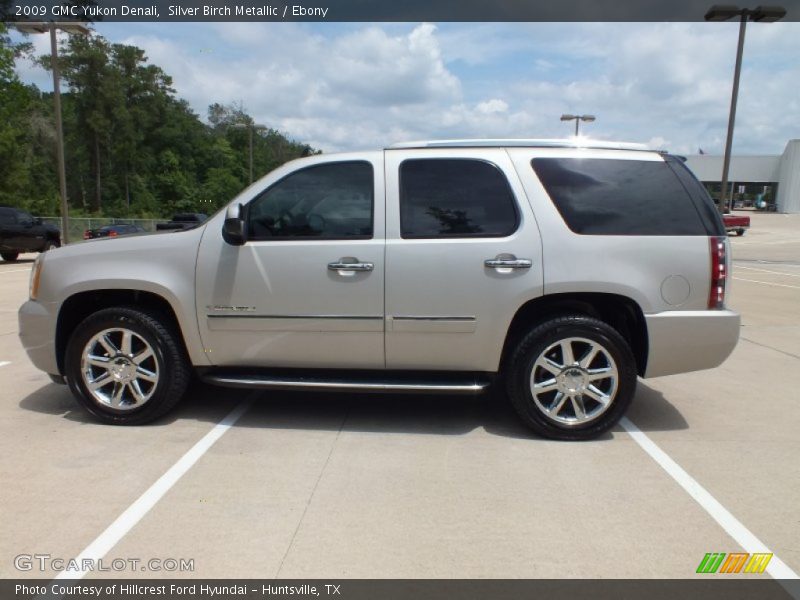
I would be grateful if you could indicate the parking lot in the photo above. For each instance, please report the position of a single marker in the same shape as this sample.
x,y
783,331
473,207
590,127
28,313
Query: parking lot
x,y
338,486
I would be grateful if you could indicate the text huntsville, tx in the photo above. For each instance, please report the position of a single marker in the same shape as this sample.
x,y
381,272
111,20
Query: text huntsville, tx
x,y
174,10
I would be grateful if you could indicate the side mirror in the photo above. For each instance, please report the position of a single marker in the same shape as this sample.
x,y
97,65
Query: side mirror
x,y
233,230
38,221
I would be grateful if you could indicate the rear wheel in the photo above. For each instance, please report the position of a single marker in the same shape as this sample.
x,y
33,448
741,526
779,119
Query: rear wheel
x,y
50,245
9,256
740,232
571,378
126,366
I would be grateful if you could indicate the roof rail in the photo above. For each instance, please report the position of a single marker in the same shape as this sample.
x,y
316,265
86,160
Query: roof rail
x,y
579,142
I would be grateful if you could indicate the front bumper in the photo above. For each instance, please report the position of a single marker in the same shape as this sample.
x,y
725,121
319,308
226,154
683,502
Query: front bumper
x,y
683,341
37,332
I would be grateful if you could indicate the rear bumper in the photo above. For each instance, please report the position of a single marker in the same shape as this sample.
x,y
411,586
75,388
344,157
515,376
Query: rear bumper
x,y
683,341
37,332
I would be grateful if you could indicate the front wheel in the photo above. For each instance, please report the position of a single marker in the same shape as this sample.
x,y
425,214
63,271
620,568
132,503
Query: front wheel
x,y
9,256
740,232
126,366
571,378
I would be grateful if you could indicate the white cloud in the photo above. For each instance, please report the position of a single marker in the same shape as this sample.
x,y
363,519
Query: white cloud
x,y
493,106
366,86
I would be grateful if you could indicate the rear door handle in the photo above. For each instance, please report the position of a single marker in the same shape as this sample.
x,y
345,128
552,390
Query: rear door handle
x,y
350,266
508,263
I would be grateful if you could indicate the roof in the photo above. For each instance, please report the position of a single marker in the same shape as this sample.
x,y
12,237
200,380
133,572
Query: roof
x,y
579,142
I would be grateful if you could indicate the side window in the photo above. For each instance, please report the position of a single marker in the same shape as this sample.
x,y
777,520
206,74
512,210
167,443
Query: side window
x,y
702,201
24,218
455,198
332,201
619,197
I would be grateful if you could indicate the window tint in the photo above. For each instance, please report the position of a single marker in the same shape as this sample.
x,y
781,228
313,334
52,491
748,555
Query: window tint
x,y
7,217
455,198
702,201
329,201
619,197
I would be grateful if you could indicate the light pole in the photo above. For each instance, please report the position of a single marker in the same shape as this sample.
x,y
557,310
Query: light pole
x,y
578,119
761,14
74,29
250,127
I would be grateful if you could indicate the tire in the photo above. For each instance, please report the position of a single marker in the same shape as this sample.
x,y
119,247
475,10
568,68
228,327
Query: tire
x,y
9,256
50,245
138,389
740,232
546,344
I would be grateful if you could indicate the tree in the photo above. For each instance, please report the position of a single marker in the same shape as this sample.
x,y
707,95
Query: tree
x,y
132,147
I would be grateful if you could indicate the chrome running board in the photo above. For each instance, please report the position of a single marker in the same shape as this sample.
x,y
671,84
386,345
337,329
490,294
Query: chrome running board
x,y
347,382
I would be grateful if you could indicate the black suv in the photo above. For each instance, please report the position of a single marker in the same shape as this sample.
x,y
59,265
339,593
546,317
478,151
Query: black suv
x,y
21,232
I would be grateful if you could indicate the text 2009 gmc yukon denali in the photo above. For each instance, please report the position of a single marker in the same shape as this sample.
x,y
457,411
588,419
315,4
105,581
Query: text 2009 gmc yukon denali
x,y
563,271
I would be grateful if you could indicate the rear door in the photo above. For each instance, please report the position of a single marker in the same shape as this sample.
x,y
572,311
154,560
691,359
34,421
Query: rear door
x,y
463,253
31,236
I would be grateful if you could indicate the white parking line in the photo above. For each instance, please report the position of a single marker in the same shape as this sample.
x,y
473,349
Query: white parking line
x,y
768,271
3,363
794,287
14,270
732,526
134,513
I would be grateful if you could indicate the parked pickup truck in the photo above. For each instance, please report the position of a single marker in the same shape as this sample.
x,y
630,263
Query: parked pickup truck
x,y
736,223
560,273
182,221
20,232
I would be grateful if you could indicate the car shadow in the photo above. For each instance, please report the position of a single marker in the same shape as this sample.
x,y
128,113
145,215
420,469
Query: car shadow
x,y
369,413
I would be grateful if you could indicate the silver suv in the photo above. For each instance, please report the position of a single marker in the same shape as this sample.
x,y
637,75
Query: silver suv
x,y
560,271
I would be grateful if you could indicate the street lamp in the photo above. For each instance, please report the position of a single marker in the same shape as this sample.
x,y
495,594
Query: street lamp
x,y
761,14
578,119
73,29
250,127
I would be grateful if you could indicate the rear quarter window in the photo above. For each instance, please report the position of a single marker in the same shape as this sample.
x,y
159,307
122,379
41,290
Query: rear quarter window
x,y
619,197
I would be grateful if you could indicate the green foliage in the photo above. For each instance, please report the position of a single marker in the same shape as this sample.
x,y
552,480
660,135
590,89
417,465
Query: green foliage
x,y
133,149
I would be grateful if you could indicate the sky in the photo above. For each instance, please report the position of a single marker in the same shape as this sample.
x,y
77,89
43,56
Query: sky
x,y
350,86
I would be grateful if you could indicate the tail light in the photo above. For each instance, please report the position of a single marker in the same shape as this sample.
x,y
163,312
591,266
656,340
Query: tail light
x,y
87,235
112,233
719,272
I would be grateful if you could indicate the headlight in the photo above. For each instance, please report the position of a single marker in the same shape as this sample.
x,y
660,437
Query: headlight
x,y
36,276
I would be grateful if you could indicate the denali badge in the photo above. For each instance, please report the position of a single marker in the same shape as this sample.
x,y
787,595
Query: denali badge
x,y
233,308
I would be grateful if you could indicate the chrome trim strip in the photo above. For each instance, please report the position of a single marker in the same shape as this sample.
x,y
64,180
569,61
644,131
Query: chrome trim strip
x,y
350,317
425,318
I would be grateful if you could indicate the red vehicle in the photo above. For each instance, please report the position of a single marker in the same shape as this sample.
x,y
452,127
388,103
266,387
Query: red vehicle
x,y
737,223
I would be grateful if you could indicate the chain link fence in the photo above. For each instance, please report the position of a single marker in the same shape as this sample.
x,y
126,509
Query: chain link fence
x,y
77,225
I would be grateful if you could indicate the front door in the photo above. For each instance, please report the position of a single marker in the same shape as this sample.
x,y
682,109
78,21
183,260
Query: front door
x,y
306,289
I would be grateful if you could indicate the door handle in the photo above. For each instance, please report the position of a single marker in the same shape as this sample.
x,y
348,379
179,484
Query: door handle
x,y
350,266
510,262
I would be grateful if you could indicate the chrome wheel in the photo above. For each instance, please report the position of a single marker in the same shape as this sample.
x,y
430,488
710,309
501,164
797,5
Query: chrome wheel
x,y
574,381
119,369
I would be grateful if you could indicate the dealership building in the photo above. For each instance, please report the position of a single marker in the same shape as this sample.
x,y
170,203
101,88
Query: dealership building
x,y
766,182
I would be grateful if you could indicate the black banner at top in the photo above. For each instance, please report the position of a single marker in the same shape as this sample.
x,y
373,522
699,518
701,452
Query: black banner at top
x,y
366,10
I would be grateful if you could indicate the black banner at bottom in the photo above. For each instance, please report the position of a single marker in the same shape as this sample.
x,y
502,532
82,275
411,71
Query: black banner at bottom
x,y
712,588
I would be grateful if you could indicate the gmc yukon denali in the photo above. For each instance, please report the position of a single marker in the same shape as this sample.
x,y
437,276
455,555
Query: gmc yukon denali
x,y
560,272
